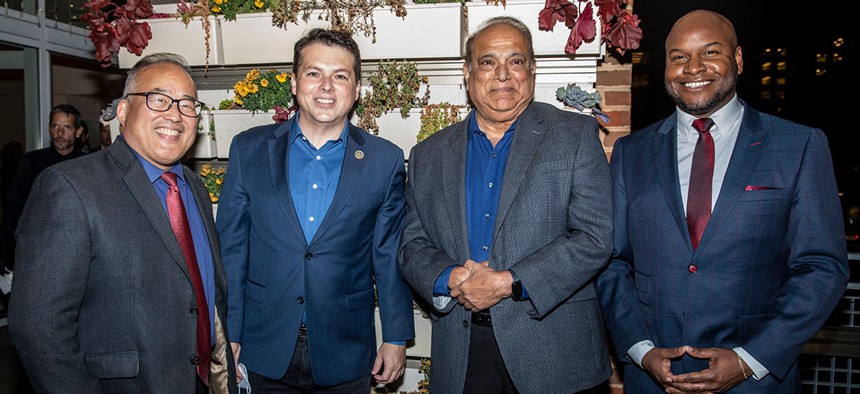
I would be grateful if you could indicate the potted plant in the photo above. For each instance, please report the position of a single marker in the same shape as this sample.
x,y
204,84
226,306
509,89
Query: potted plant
x,y
578,99
260,98
213,179
435,117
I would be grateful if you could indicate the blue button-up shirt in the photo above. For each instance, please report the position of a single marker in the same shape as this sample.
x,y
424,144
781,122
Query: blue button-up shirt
x,y
198,233
485,170
314,175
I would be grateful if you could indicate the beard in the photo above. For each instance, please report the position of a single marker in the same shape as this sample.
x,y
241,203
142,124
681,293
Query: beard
x,y
62,144
727,88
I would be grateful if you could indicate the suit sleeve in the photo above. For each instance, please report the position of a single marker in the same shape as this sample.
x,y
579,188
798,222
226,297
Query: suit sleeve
x,y
50,286
395,300
567,265
817,264
234,224
420,261
615,287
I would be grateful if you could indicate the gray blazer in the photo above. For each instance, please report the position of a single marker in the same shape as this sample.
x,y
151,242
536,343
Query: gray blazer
x,y
553,228
102,299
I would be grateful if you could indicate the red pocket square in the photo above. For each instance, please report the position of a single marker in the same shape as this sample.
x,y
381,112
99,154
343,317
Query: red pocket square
x,y
754,187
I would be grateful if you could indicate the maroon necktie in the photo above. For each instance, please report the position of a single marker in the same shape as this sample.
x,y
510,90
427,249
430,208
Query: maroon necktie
x,y
701,181
179,222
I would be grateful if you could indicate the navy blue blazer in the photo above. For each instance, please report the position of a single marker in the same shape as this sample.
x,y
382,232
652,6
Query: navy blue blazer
x,y
273,272
772,262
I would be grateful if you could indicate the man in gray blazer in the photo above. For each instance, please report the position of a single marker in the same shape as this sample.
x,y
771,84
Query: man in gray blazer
x,y
509,212
119,286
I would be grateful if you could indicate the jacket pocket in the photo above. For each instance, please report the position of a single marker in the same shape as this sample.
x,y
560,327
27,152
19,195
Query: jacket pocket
x,y
113,365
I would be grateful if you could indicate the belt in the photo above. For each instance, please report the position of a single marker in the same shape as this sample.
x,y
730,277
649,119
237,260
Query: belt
x,y
482,319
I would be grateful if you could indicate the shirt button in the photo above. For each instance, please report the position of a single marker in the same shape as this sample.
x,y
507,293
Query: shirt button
x,y
315,186
194,311
311,218
487,215
491,184
300,300
692,268
466,323
195,360
484,247
319,157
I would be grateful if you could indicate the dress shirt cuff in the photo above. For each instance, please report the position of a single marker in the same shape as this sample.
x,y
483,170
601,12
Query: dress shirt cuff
x,y
759,371
440,288
637,351
398,343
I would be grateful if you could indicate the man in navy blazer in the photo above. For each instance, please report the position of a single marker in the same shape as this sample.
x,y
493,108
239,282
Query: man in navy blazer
x,y
309,219
725,298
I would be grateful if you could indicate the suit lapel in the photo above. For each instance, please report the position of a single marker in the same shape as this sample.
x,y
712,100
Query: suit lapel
x,y
279,161
527,137
744,160
141,188
454,185
351,172
666,154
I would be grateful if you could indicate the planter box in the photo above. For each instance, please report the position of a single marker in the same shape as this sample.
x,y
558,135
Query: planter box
x,y
204,146
252,39
545,42
427,31
230,122
423,329
171,35
402,132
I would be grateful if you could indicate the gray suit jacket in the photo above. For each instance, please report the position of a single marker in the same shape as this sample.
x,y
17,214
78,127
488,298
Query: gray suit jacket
x,y
553,228
102,300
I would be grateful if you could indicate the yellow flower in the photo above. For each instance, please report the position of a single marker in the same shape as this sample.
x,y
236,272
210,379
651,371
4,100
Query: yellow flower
x,y
252,75
282,77
206,170
213,198
216,9
238,100
259,3
219,2
253,88
264,82
219,182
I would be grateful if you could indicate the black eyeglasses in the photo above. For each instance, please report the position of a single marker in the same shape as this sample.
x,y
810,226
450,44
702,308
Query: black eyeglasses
x,y
162,103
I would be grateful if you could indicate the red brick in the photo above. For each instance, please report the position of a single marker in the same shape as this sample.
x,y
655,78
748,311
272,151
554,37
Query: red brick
x,y
613,97
610,138
617,118
614,78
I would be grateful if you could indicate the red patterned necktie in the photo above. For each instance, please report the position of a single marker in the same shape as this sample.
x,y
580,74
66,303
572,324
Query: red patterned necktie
x,y
179,222
701,181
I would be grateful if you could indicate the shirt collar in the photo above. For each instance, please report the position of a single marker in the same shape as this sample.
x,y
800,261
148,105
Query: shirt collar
x,y
153,172
723,119
474,129
296,130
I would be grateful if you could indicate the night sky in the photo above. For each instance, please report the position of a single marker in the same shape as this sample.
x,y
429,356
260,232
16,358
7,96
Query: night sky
x,y
804,29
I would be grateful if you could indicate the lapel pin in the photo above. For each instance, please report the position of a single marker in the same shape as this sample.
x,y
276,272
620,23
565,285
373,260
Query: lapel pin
x,y
359,154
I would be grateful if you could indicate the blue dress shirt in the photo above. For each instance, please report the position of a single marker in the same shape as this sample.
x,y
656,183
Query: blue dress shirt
x,y
201,242
485,170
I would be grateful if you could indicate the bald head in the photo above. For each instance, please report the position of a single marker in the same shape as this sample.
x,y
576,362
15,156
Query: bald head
x,y
703,61
703,20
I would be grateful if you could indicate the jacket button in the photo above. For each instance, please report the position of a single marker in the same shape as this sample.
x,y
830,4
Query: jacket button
x,y
692,268
466,323
300,300
194,311
309,256
195,360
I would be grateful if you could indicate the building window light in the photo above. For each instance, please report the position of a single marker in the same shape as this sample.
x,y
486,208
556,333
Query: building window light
x,y
765,81
780,81
780,66
765,66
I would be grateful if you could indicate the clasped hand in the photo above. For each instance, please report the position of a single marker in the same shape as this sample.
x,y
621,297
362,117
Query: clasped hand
x,y
723,372
477,287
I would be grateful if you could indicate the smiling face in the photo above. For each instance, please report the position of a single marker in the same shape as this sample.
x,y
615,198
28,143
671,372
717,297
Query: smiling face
x,y
501,76
161,138
703,62
325,87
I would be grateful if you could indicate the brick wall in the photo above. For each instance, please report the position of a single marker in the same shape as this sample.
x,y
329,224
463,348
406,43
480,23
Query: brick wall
x,y
614,79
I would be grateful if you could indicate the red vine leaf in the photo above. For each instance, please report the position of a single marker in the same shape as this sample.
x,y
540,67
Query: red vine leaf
x,y
584,29
625,34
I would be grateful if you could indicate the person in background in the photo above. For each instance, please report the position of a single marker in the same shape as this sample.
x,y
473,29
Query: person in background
x,y
509,214
104,137
309,218
729,243
64,128
82,142
119,286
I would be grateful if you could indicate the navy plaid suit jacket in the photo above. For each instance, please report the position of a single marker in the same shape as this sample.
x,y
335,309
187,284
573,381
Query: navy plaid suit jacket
x,y
772,262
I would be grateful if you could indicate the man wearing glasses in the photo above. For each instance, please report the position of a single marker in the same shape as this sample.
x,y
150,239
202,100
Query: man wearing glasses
x,y
119,286
66,125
